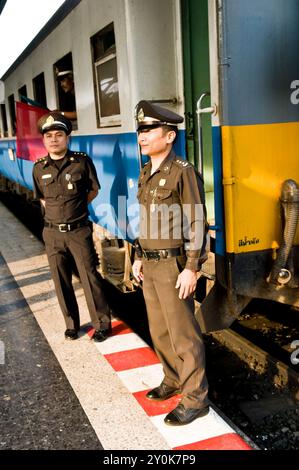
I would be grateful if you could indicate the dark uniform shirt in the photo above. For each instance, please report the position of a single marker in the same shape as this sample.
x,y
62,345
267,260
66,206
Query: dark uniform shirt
x,y
65,188
172,211
68,103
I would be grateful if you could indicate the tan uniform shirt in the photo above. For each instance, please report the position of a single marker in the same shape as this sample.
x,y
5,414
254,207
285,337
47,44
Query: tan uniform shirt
x,y
172,211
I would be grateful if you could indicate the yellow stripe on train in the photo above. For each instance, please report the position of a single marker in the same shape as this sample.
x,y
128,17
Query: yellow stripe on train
x,y
257,159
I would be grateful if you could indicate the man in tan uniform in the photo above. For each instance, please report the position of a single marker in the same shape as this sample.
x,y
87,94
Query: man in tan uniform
x,y
169,252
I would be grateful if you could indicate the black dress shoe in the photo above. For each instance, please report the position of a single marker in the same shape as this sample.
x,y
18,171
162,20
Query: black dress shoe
x,y
181,415
71,334
102,334
163,392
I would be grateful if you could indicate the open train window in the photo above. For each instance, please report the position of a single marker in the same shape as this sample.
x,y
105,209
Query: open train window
x,y
65,88
105,77
22,93
12,113
4,126
39,90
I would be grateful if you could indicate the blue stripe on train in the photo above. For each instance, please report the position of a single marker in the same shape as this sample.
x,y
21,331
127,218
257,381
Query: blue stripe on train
x,y
218,193
116,161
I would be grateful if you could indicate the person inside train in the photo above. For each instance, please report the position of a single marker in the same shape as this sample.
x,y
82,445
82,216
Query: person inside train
x,y
65,79
169,253
66,182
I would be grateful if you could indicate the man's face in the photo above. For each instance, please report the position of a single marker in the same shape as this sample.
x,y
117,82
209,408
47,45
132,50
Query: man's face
x,y
56,142
67,84
156,141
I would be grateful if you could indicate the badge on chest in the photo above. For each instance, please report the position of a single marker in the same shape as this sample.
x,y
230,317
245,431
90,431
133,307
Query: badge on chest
x,y
68,178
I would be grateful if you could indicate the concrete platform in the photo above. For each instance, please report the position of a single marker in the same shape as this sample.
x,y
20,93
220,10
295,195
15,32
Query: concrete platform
x,y
80,394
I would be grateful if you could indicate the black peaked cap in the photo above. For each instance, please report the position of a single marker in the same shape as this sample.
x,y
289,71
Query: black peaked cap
x,y
54,121
149,114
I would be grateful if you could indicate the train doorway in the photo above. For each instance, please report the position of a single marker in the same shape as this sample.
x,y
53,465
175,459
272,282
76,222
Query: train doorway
x,y
195,34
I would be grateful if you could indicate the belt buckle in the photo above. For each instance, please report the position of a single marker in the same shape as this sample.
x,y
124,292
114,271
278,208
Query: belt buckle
x,y
164,253
63,228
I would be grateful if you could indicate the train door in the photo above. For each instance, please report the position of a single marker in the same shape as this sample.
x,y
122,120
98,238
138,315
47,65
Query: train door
x,y
197,92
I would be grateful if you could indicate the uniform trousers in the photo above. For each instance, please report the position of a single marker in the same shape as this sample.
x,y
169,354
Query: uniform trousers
x,y
175,332
62,249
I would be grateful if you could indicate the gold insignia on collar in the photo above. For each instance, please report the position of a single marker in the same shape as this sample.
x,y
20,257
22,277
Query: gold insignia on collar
x,y
140,115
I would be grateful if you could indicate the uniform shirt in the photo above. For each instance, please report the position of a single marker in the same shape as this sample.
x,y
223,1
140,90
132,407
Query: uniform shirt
x,y
172,210
65,188
68,102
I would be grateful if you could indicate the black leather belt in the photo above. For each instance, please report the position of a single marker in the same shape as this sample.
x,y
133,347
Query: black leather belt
x,y
162,254
66,227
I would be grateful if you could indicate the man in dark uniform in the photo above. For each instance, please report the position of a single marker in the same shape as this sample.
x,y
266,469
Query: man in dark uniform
x,y
66,81
169,252
65,182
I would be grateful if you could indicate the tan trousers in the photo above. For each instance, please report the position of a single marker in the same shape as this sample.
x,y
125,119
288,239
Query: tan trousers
x,y
175,332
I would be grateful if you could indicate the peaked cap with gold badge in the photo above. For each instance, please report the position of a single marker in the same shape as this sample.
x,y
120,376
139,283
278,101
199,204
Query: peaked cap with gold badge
x,y
54,121
151,115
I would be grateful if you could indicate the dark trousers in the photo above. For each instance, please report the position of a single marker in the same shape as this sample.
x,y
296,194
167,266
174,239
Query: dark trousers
x,y
62,250
175,332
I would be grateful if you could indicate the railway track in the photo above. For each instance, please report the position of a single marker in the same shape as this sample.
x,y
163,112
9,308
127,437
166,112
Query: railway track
x,y
259,392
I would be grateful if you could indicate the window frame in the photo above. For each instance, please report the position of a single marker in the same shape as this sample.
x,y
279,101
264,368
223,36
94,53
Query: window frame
x,y
113,119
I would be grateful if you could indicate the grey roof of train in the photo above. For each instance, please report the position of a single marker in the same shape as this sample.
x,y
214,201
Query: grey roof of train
x,y
53,22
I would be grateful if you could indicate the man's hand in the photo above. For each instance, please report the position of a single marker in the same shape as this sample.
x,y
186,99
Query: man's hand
x,y
137,270
91,195
187,283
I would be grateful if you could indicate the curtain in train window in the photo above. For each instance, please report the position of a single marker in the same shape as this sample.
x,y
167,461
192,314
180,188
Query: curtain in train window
x,y
105,76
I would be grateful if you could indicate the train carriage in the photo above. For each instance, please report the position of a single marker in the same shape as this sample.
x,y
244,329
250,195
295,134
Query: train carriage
x,y
232,68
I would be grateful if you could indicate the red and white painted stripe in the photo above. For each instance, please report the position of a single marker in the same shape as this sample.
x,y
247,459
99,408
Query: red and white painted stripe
x,y
139,369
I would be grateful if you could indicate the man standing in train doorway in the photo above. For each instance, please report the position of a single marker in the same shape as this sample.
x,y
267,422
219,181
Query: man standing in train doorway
x,y
169,252
66,182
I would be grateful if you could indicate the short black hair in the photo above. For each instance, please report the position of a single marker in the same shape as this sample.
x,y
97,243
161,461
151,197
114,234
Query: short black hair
x,y
168,128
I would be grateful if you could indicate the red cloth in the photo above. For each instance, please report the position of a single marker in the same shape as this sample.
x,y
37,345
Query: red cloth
x,y
29,140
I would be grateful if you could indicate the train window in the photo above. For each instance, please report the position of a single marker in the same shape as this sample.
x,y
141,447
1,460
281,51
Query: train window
x,y
65,87
4,121
23,93
39,90
12,113
105,77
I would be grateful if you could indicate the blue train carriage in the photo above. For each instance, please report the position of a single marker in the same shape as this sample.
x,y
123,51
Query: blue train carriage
x,y
231,67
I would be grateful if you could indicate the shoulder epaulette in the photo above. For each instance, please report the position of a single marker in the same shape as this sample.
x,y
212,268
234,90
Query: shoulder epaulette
x,y
39,160
80,154
182,163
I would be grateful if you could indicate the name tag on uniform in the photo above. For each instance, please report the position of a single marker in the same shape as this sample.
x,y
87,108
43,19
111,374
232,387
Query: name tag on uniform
x,y
46,176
